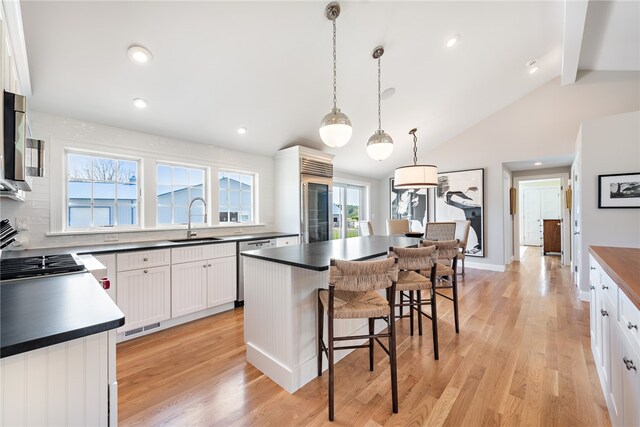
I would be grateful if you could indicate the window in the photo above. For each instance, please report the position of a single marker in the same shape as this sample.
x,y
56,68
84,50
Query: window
x,y
177,187
101,191
236,197
349,208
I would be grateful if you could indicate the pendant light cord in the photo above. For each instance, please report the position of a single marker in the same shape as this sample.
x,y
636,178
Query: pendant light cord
x,y
334,65
415,149
379,110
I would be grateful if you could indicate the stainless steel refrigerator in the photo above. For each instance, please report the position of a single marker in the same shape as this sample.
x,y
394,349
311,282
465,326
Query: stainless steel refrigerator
x,y
317,218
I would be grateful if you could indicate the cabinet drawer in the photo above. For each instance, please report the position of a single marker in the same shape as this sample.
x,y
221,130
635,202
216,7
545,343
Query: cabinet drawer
x,y
143,259
202,252
610,290
287,241
629,320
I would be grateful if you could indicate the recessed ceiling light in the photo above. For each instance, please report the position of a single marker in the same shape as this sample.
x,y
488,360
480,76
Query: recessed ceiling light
x,y
139,54
453,40
537,164
242,131
532,66
388,93
140,103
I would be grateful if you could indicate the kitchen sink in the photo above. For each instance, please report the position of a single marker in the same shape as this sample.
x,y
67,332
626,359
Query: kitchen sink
x,y
202,239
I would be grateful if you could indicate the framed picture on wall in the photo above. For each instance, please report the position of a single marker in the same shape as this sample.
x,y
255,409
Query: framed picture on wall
x,y
409,204
619,191
460,196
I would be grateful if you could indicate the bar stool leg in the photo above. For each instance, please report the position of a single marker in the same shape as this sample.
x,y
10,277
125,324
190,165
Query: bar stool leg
x,y
411,311
371,324
331,369
419,295
454,284
434,322
392,354
320,333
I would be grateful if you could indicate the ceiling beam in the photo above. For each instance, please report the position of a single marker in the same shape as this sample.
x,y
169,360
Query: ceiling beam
x,y
575,16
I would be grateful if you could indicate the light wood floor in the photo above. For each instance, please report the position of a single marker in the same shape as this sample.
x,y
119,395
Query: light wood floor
x,y
522,357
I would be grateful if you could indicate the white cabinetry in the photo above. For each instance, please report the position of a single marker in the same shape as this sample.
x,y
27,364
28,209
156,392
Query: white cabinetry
x,y
615,345
203,276
287,241
144,288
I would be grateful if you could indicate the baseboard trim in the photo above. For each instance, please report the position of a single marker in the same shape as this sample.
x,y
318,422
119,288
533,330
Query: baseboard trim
x,y
585,296
490,267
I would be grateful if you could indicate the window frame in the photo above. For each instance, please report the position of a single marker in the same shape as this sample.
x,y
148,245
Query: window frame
x,y
254,198
106,228
364,207
205,194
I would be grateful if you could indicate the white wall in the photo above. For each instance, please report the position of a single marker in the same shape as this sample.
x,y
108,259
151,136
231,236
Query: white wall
x,y
608,145
542,124
44,204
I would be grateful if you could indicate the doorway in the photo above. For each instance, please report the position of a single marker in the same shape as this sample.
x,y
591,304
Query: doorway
x,y
349,208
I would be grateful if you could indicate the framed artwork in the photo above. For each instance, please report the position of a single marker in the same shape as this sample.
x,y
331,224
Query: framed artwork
x,y
410,204
460,196
619,191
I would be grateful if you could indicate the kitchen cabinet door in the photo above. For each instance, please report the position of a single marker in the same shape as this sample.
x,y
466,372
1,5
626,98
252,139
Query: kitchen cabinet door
x,y
221,281
630,363
605,342
188,288
144,296
616,373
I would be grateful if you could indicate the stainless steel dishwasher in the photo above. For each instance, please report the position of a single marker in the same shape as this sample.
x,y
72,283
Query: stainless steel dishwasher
x,y
248,245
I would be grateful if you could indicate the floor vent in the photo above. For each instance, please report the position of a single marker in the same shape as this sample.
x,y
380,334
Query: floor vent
x,y
133,332
153,326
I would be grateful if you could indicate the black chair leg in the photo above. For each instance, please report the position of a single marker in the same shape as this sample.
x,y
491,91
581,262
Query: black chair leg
x,y
331,370
462,267
320,333
411,311
371,324
454,284
401,301
419,307
434,323
392,357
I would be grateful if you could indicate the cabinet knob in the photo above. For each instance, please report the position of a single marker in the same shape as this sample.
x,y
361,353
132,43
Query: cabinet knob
x,y
146,271
145,259
629,364
604,312
592,268
632,326
208,265
604,287
592,287
204,265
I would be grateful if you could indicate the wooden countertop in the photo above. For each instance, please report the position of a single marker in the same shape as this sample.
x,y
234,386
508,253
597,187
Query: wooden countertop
x,y
623,266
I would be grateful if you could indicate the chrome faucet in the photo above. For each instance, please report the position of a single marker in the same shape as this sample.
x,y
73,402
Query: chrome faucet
x,y
190,233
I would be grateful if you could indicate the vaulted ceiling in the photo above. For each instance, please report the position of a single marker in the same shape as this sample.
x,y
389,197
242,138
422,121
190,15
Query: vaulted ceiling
x,y
266,66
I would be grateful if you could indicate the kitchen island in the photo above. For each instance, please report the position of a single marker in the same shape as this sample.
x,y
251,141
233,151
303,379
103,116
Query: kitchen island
x,y
280,303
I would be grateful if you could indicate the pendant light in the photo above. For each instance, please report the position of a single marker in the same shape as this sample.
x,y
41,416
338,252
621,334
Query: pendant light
x,y
335,127
380,145
416,176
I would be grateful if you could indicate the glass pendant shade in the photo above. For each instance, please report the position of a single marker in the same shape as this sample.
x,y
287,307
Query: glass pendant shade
x,y
416,176
380,145
335,128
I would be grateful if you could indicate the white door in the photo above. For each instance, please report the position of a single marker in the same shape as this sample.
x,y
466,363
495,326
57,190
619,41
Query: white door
x,y
531,217
221,281
575,220
144,296
188,288
550,203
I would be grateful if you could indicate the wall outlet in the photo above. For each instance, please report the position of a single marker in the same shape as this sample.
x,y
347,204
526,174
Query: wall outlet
x,y
110,237
22,223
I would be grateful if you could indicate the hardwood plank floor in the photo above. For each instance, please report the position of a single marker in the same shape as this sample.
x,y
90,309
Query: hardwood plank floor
x,y
522,357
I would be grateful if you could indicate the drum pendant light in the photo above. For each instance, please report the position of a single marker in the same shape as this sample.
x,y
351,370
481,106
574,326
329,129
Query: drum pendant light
x,y
415,176
380,145
335,127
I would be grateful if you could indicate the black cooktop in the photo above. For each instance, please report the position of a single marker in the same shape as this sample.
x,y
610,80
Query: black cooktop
x,y
18,268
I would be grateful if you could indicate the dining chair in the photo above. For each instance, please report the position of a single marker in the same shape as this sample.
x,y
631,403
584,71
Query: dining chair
x,y
462,234
353,294
440,230
366,228
397,226
448,251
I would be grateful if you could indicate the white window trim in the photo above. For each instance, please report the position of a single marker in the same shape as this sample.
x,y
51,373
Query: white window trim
x,y
205,191
254,198
65,200
346,183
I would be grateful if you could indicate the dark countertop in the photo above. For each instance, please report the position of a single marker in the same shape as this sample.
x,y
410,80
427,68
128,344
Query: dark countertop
x,y
44,311
316,256
138,246
623,266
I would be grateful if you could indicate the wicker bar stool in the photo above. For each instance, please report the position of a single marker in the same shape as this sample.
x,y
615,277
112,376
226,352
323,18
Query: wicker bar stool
x,y
448,251
411,261
352,294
